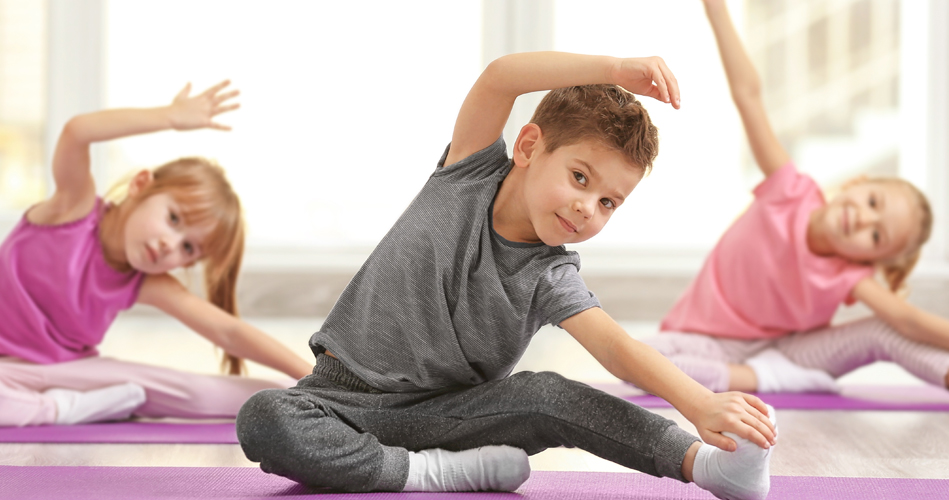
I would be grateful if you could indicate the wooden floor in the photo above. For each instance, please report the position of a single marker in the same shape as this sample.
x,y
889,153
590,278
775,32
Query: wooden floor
x,y
811,443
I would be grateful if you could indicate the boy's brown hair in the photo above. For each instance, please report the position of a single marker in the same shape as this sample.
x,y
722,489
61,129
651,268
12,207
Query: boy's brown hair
x,y
607,114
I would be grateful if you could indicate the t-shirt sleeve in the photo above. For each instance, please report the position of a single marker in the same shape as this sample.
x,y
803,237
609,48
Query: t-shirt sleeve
x,y
477,166
783,184
855,274
562,293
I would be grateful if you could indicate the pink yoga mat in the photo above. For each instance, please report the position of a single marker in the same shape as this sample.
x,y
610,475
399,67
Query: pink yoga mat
x,y
232,483
123,432
855,397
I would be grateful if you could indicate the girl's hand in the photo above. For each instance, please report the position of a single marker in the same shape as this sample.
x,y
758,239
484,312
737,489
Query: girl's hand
x,y
189,113
736,412
648,76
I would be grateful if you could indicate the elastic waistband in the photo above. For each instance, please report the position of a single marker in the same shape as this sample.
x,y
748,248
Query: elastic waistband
x,y
332,369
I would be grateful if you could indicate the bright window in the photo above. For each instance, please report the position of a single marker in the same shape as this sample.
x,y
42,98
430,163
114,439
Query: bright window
x,y
346,106
22,104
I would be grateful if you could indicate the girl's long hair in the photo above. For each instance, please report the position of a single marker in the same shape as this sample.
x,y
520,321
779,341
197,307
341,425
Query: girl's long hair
x,y
206,199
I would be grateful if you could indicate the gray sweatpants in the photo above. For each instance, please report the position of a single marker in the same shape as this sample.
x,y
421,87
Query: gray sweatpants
x,y
333,430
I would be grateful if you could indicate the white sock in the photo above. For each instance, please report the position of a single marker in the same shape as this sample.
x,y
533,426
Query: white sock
x,y
742,474
777,373
115,402
489,468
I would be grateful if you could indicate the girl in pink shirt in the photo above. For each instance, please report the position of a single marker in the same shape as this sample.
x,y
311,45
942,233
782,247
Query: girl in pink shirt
x,y
757,316
73,262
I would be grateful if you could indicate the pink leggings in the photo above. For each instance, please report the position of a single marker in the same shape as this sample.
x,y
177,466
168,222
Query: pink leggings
x,y
169,393
836,349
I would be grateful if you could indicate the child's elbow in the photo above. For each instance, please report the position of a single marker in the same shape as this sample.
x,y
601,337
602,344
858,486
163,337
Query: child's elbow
x,y
72,129
497,71
76,130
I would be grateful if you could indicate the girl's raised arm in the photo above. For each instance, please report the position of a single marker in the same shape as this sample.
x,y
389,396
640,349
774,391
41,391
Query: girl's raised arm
x,y
75,190
745,88
228,332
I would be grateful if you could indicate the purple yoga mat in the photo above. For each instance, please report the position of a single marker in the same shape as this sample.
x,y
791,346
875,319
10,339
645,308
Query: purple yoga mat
x,y
853,397
122,432
154,483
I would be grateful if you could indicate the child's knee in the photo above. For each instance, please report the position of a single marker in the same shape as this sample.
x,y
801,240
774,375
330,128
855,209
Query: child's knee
x,y
264,418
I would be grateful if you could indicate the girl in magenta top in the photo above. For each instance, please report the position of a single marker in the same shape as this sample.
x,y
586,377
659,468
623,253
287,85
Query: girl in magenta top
x,y
74,261
757,316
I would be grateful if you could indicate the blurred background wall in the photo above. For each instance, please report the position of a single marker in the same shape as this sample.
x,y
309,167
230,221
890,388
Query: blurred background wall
x,y
347,106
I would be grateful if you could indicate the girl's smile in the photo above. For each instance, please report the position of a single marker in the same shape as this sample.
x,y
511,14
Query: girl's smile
x,y
867,222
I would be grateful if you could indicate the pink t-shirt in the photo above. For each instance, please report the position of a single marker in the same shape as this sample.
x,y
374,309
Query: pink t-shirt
x,y
58,295
761,280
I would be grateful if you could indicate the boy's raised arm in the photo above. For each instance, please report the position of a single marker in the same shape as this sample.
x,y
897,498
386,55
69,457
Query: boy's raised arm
x,y
489,102
745,88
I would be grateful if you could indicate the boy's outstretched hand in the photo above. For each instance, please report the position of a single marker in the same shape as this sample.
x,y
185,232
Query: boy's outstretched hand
x,y
742,414
648,76
189,113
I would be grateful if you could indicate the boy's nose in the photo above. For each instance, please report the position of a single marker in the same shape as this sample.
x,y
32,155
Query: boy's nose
x,y
585,207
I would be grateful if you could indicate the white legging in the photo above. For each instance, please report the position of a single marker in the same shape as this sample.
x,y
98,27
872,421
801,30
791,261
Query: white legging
x,y
836,349
169,393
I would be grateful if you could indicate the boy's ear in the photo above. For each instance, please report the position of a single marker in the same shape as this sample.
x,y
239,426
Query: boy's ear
x,y
140,181
529,144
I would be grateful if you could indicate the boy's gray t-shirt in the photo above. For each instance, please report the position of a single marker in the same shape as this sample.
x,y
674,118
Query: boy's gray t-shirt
x,y
443,300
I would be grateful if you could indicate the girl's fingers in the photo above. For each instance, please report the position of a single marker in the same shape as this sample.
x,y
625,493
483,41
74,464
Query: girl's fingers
x,y
217,88
218,126
225,96
224,109
183,94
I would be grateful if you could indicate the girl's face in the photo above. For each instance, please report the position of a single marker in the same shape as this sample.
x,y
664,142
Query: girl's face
x,y
868,222
573,192
157,239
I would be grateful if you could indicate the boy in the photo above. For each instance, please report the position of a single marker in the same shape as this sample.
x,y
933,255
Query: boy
x,y
415,354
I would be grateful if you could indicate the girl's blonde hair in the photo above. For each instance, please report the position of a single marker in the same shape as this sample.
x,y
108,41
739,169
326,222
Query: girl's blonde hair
x,y
206,198
897,269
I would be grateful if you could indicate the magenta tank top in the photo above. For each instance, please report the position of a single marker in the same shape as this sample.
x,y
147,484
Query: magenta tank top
x,y
58,295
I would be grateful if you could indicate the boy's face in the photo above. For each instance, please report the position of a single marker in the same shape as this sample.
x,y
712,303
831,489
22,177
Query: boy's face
x,y
571,193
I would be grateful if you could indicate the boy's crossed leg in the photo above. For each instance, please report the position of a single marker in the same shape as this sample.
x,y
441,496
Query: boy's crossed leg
x,y
322,435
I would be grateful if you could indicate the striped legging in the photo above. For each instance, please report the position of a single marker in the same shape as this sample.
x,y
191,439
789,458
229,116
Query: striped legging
x,y
836,350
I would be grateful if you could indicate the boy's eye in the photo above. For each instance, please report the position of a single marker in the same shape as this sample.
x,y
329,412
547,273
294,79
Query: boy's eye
x,y
873,201
608,203
876,237
189,248
582,179
173,217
